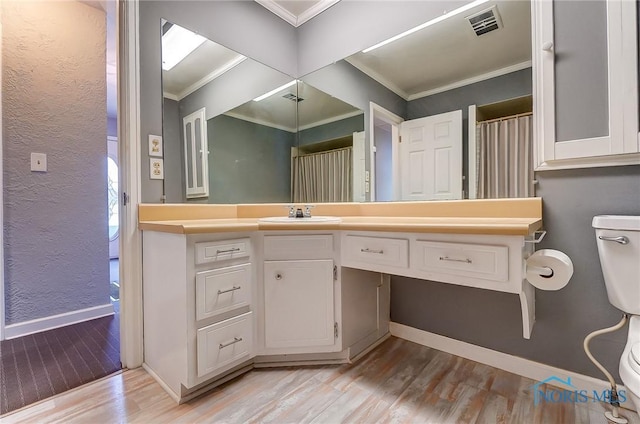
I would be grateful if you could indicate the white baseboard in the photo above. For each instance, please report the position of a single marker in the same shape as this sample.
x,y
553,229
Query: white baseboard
x,y
516,365
56,321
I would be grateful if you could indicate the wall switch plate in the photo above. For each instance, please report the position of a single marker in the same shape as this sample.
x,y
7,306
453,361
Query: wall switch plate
x,y
366,175
39,162
366,187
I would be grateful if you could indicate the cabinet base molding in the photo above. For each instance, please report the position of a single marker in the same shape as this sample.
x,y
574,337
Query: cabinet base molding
x,y
513,364
331,358
360,352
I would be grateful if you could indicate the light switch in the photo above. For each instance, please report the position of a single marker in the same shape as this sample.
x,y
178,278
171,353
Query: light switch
x,y
366,175
39,162
366,187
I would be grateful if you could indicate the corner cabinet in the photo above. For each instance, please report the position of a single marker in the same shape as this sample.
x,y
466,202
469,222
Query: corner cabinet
x,y
198,293
585,64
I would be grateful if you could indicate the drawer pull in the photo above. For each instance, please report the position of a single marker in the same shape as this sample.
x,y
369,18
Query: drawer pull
x,y
235,340
235,249
379,252
446,258
234,288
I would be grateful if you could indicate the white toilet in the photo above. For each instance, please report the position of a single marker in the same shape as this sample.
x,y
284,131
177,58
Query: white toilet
x,y
618,239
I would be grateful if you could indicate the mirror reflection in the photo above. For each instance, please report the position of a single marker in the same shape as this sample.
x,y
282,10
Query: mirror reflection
x,y
442,113
452,107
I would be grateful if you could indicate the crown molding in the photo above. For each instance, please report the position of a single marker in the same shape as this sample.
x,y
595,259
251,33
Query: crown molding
x,y
292,19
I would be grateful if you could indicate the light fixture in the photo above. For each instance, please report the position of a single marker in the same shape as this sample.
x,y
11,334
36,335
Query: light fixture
x,y
428,23
274,91
177,43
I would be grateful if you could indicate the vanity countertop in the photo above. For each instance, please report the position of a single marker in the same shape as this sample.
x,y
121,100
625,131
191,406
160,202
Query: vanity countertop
x,y
493,216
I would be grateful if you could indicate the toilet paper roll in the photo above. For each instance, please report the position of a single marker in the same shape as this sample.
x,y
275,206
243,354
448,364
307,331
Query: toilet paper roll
x,y
555,260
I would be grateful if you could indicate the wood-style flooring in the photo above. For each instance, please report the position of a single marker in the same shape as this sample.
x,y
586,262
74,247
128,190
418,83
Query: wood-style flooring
x,y
398,382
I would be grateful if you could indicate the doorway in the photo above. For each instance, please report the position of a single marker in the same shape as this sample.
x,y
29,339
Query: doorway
x,y
384,130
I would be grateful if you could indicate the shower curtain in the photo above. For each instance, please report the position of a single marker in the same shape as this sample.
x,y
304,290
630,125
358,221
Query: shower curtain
x,y
323,177
504,159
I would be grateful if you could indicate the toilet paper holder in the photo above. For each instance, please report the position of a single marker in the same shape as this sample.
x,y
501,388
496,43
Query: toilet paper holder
x,y
537,237
543,271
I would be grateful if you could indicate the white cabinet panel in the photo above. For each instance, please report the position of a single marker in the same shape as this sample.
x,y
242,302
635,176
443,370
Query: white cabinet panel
x,y
225,344
299,303
359,251
222,290
470,260
303,246
214,251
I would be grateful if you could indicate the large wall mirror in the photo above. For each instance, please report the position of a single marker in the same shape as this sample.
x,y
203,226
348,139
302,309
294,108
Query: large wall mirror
x,y
442,113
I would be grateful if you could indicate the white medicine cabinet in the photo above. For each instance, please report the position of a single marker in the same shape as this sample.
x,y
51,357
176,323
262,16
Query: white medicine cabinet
x,y
585,62
196,154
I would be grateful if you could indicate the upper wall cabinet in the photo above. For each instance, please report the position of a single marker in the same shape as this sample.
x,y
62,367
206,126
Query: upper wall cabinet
x,y
585,62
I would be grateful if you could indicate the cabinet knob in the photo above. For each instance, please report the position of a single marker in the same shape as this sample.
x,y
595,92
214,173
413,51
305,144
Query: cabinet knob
x,y
278,276
548,46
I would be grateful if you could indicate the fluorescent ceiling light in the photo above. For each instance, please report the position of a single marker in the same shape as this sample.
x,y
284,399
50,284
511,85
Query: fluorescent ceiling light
x,y
274,91
428,23
177,43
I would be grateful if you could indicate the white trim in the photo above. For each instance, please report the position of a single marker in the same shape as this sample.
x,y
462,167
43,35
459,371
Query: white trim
x,y
472,80
170,96
513,364
260,122
591,162
330,120
462,83
379,78
2,300
472,177
377,111
292,19
56,321
131,320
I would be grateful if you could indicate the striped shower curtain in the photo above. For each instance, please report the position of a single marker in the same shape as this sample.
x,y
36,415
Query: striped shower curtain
x,y
505,158
323,177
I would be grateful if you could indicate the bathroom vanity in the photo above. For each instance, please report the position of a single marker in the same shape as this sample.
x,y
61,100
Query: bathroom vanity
x,y
226,294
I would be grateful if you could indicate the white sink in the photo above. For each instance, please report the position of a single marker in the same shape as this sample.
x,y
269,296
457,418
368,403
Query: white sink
x,y
286,219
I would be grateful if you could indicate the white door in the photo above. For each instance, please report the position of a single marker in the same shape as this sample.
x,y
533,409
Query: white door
x,y
298,298
359,181
431,157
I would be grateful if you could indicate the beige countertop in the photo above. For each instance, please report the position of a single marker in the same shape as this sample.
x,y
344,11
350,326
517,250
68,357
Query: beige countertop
x,y
456,225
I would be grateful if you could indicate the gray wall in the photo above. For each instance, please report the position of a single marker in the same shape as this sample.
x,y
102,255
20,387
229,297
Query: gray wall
x,y
384,177
248,163
173,152
54,102
270,40
509,86
563,318
332,130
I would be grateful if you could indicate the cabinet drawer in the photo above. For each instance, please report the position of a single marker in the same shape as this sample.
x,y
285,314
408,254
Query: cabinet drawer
x,y
485,262
213,251
303,246
376,251
222,290
225,343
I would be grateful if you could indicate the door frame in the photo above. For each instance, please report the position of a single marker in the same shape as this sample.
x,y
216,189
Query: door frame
x,y
131,317
2,300
377,111
472,177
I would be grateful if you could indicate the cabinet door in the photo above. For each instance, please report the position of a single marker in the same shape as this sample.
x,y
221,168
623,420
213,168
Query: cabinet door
x,y
585,83
299,303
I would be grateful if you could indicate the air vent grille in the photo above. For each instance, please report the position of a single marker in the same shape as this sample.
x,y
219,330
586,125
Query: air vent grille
x,y
293,97
486,21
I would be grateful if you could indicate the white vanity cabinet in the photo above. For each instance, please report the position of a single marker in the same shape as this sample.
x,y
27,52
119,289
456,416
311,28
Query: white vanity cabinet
x,y
585,63
299,286
199,314
491,262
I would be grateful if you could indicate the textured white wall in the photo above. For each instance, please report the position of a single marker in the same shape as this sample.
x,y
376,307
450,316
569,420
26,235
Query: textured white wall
x,y
54,102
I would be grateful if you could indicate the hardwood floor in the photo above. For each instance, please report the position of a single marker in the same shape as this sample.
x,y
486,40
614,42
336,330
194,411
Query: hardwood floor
x,y
398,382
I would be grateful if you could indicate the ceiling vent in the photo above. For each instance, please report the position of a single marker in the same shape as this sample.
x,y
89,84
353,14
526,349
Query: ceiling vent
x,y
486,21
293,97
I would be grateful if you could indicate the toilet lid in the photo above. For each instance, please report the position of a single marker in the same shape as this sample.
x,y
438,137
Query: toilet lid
x,y
635,353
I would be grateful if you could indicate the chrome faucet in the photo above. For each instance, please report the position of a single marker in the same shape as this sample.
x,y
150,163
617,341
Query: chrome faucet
x,y
307,211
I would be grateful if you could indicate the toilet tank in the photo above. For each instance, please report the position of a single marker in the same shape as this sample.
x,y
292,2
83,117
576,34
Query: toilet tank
x,y
618,238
